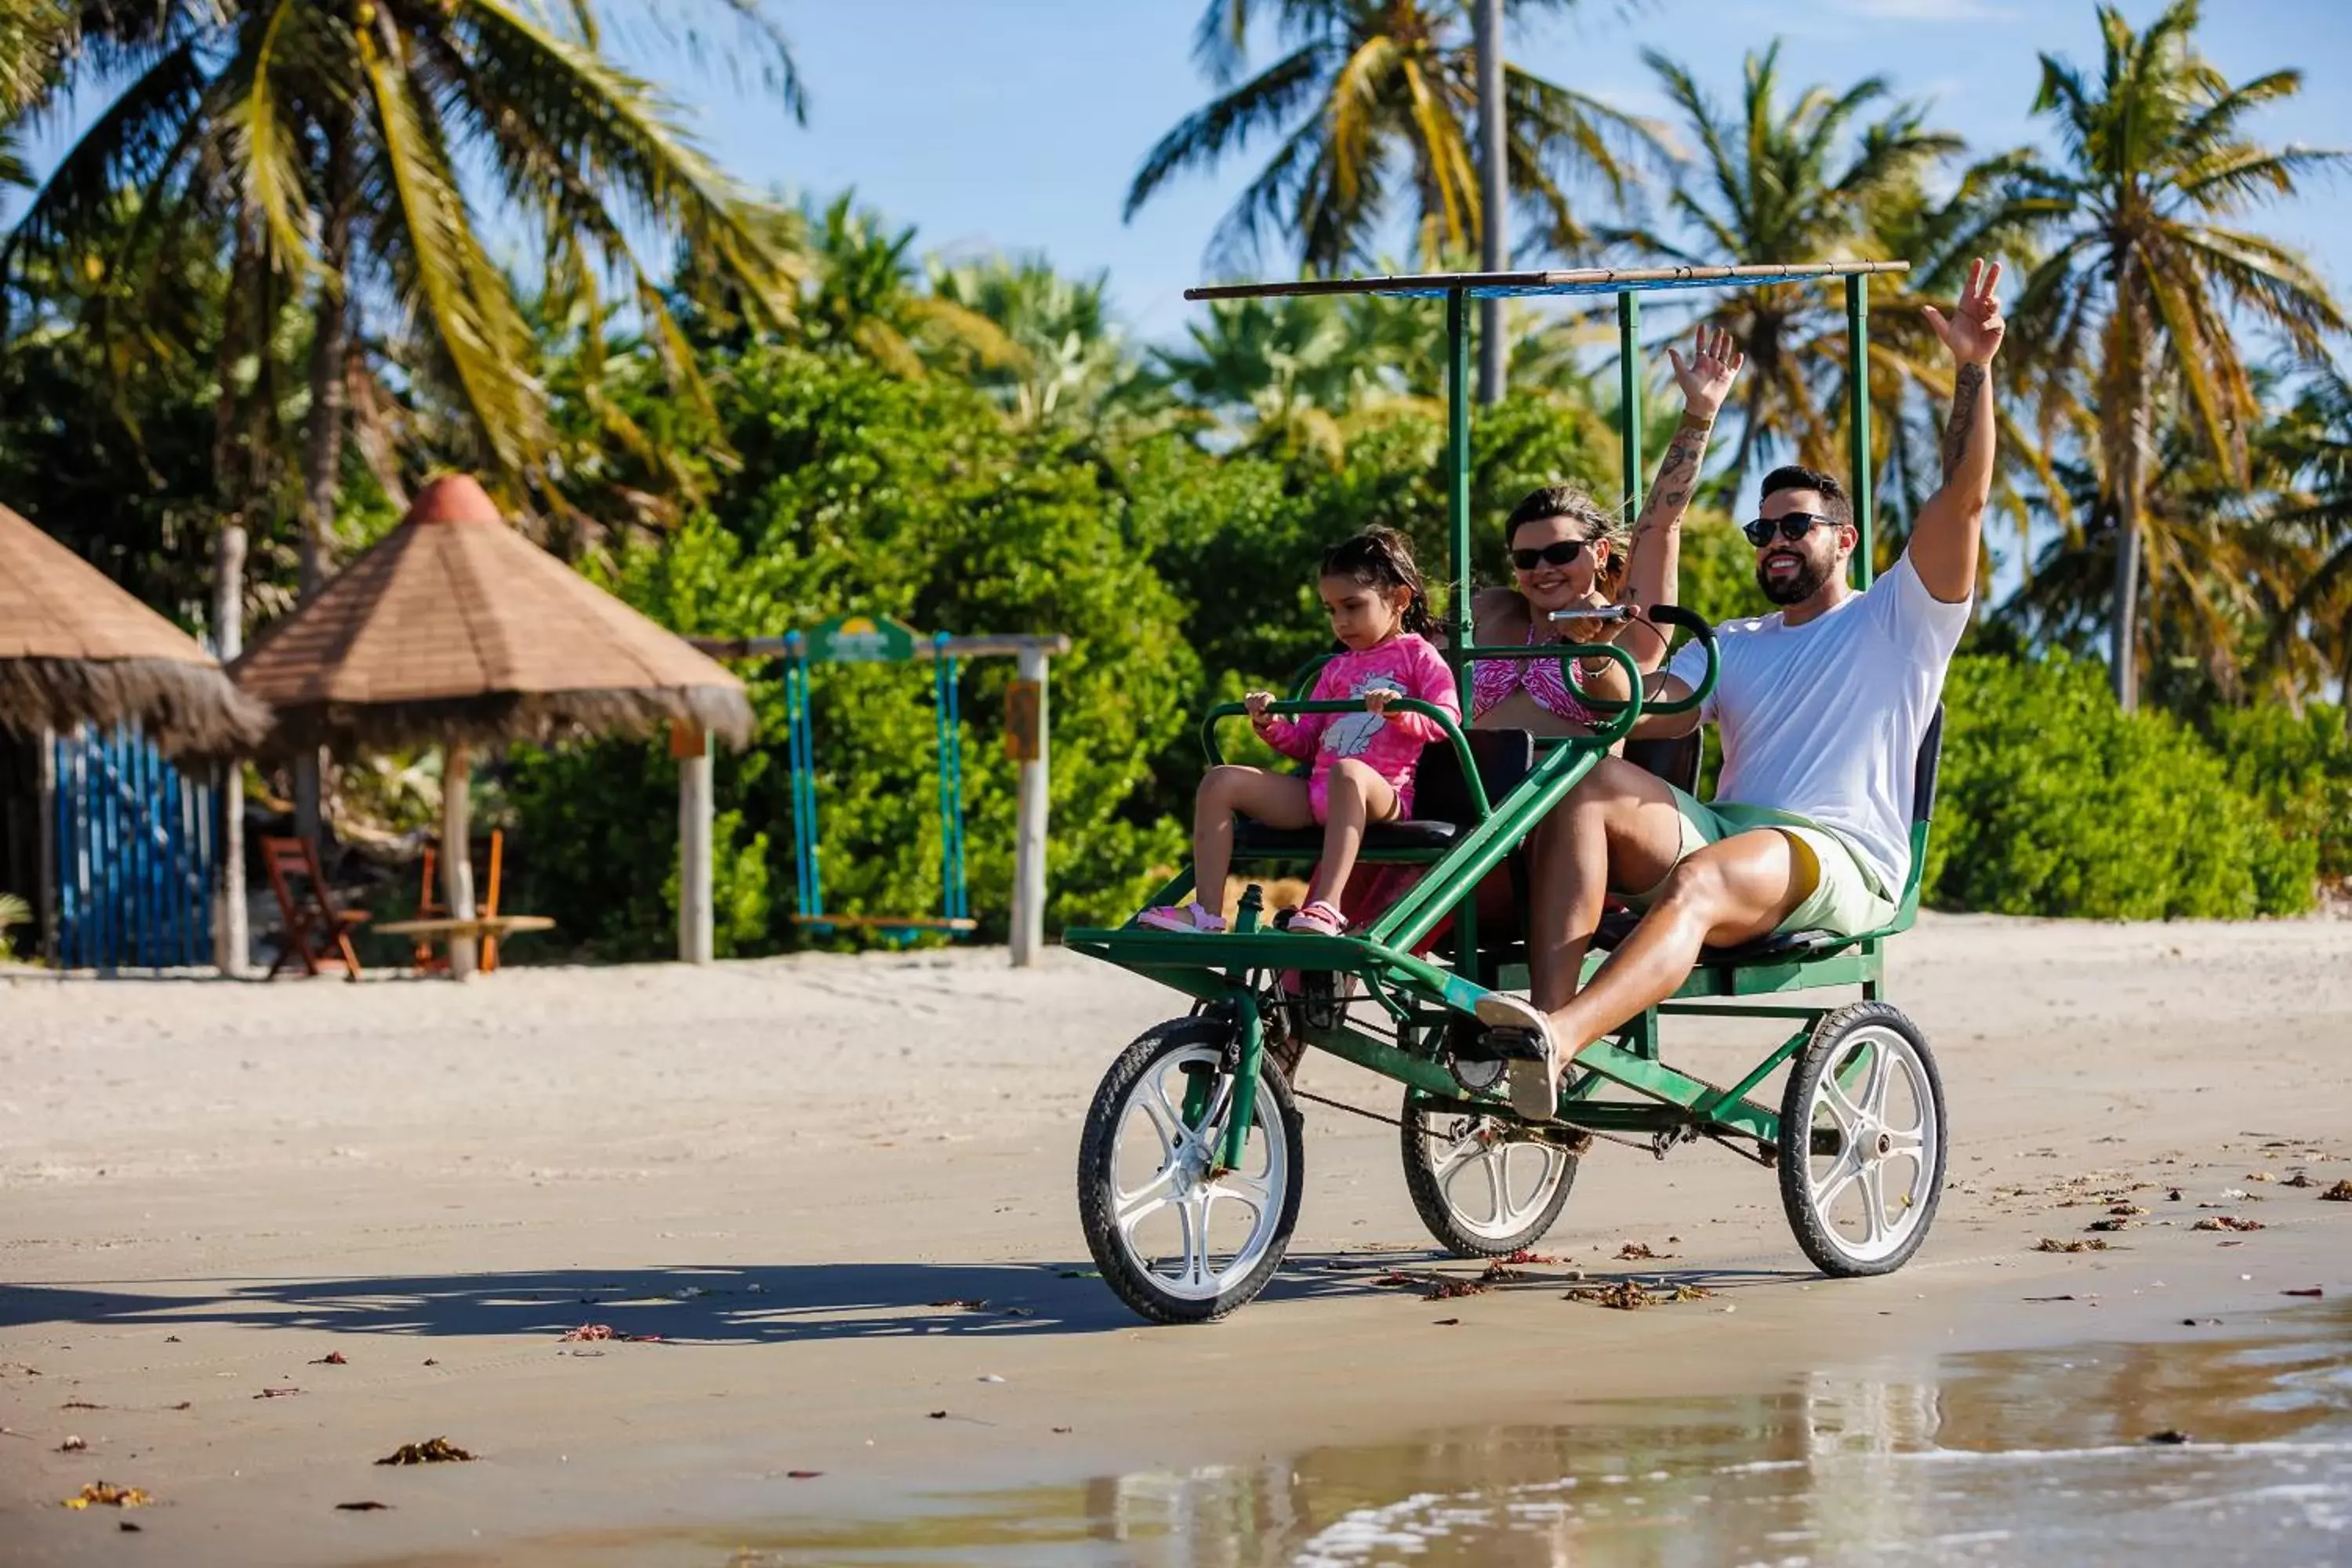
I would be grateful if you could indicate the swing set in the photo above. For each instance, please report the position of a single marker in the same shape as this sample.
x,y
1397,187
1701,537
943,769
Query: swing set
x,y
879,640
868,639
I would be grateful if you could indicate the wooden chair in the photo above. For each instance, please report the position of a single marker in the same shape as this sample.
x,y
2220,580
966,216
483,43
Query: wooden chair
x,y
486,902
316,932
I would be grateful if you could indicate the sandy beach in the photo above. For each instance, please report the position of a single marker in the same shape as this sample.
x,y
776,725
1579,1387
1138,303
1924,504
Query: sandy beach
x,y
255,1238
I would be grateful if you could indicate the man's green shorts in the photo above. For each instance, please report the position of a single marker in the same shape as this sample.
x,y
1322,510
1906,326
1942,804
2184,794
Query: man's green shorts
x,y
1845,897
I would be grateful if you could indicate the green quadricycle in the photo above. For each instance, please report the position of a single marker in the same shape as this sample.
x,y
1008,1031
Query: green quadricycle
x,y
1191,1157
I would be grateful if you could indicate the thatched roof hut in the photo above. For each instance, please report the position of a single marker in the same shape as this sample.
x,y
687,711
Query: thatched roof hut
x,y
456,629
74,649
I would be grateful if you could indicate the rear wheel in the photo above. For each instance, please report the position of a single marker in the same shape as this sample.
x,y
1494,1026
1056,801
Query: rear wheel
x,y
1861,1141
1484,1186
1181,1240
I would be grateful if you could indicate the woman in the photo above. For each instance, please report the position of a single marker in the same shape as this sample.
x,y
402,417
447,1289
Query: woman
x,y
1568,554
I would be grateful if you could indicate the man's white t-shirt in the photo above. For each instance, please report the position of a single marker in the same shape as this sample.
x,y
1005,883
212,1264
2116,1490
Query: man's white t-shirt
x,y
1824,719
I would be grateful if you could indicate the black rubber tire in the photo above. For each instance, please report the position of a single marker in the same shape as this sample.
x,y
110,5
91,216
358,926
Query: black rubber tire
x,y
1413,1147
1795,1157
1096,1148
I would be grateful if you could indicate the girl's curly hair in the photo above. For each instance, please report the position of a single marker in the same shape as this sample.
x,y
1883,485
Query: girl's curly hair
x,y
1383,558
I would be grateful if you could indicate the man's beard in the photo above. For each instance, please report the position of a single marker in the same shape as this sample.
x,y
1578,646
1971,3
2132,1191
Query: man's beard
x,y
1793,590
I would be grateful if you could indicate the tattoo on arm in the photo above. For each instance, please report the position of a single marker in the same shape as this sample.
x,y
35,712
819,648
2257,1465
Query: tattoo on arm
x,y
1677,472
1967,387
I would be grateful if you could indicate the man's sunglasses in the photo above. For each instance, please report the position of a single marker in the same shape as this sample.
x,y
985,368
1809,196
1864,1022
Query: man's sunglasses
x,y
1560,553
1790,526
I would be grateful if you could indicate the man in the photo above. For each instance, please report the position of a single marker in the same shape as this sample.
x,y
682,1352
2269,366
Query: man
x,y
1821,709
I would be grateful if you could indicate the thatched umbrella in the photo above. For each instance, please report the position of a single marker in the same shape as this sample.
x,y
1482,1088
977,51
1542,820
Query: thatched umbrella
x,y
74,649
455,630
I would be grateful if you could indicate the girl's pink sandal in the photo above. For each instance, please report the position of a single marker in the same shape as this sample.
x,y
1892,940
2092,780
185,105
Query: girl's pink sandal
x,y
1318,918
1180,917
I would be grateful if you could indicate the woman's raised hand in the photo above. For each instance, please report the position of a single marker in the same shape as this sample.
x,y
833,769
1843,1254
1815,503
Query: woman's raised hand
x,y
1706,377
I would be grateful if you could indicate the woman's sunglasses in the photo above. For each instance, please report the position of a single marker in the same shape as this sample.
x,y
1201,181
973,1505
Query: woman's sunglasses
x,y
1790,526
1560,553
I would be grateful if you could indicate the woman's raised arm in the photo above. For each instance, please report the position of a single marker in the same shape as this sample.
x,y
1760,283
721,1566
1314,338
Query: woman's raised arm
x,y
1654,561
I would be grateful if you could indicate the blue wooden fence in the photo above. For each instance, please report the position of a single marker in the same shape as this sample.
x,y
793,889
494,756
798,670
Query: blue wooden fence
x,y
136,842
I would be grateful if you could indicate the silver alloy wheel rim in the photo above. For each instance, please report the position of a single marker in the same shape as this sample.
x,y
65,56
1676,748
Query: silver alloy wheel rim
x,y
1479,1152
1186,1180
1870,1148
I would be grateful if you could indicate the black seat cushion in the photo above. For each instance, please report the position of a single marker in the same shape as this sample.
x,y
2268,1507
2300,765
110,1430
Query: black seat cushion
x,y
1774,947
1676,761
1257,840
1441,807
1616,925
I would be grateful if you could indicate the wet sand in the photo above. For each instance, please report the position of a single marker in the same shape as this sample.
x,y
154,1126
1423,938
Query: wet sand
x,y
794,1172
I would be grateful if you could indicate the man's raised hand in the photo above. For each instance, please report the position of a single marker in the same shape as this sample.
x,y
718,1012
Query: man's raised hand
x,y
1705,379
1975,328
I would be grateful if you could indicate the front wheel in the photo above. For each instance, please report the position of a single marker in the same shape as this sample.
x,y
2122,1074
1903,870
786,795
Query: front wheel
x,y
1861,1141
1178,1238
1484,1186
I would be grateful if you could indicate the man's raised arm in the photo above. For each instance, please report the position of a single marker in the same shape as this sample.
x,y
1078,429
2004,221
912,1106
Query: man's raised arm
x,y
1945,541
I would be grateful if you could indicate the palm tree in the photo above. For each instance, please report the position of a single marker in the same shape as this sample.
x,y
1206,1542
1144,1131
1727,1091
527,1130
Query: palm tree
x,y
2223,555
321,141
1798,181
32,35
1071,360
865,293
2310,641
1275,374
2143,284
1373,102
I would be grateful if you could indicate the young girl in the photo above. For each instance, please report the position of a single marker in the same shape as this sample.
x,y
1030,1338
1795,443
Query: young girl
x,y
1363,762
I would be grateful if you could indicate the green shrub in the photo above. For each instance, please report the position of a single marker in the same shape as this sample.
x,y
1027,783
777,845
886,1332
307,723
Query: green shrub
x,y
2054,802
2299,766
860,492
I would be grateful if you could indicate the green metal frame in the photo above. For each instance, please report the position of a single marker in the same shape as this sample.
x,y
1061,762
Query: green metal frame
x,y
1420,997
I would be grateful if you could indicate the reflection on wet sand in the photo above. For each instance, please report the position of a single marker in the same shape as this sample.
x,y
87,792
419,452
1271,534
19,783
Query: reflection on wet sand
x,y
2035,1457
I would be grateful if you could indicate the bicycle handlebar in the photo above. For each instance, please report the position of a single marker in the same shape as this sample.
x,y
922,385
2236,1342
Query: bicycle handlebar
x,y
1641,706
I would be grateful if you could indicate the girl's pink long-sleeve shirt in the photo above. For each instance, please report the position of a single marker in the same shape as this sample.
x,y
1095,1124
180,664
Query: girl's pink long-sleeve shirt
x,y
1406,665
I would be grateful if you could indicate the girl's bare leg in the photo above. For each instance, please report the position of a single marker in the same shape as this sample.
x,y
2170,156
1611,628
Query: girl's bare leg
x,y
1279,800
1354,797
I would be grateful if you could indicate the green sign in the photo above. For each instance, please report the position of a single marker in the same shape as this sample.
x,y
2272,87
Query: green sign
x,y
861,639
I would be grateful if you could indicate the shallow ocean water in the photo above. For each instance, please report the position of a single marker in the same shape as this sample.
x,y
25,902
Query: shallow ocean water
x,y
2038,1457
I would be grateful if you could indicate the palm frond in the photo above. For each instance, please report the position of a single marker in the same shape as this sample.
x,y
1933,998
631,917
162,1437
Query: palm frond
x,y
473,312
1204,136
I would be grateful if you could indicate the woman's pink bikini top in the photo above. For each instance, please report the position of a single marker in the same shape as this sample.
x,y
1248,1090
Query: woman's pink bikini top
x,y
1491,680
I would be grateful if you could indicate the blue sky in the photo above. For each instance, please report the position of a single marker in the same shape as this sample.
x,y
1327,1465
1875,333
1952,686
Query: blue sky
x,y
1016,124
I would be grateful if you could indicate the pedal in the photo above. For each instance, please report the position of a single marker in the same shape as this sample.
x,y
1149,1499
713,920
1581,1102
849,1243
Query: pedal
x,y
1515,1045
1320,1001
1467,1055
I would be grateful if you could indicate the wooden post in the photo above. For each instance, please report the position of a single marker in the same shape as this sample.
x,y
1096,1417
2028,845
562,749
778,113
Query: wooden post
x,y
1029,832
48,890
232,941
457,851
308,817
691,747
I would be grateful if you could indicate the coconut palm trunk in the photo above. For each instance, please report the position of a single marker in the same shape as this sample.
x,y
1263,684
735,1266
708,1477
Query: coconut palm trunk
x,y
322,436
2131,493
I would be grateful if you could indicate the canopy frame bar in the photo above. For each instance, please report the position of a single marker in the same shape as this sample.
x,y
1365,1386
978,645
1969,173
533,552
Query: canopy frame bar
x,y
1576,280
